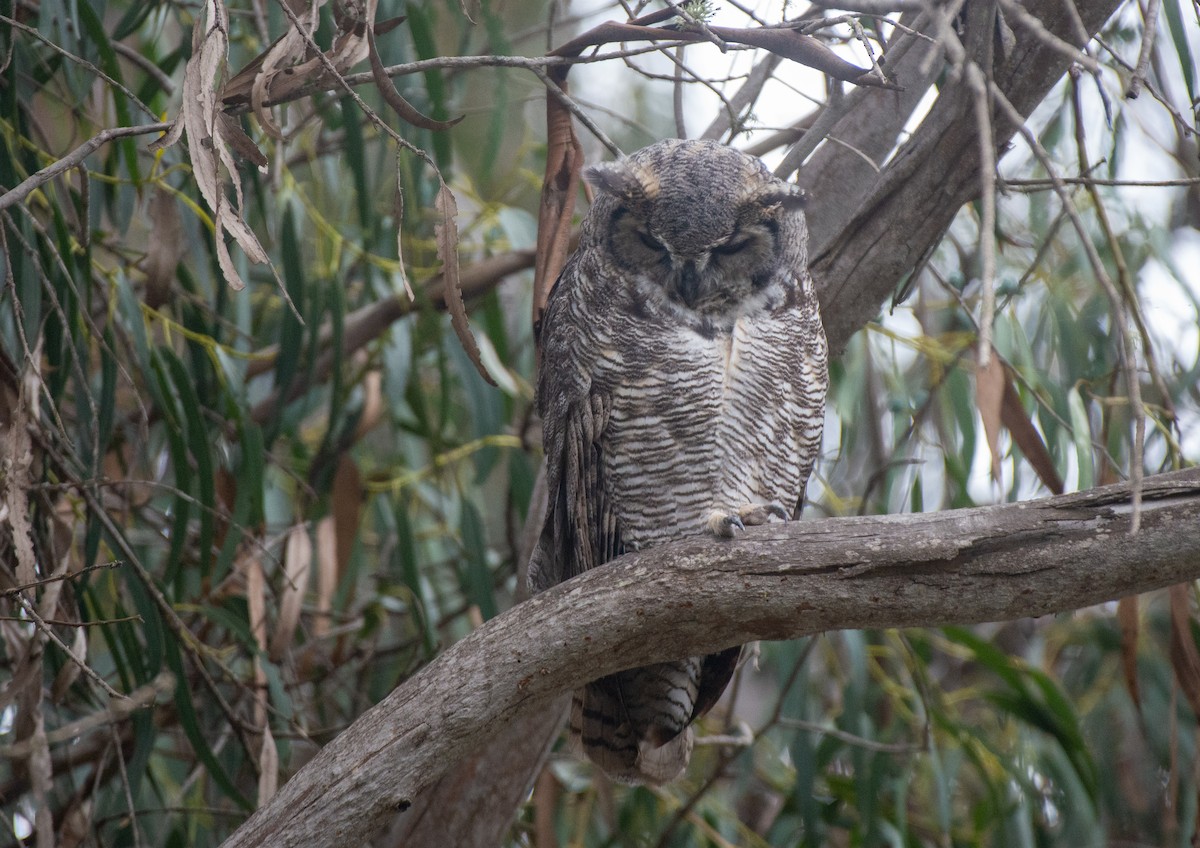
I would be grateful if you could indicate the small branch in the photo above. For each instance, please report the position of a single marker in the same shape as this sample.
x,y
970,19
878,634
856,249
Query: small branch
x,y
119,710
1037,29
565,100
871,7
73,159
987,217
45,628
1150,17
16,590
851,739
1032,185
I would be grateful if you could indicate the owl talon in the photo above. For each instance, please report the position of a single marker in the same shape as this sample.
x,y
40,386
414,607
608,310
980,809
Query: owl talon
x,y
755,514
725,524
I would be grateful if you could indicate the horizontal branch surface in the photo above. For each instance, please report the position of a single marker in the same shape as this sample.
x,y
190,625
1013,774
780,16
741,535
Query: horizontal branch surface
x,y
702,595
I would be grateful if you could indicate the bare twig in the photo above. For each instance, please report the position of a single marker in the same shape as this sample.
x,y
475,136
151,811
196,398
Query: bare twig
x,y
22,190
120,709
552,90
1038,30
1150,28
987,218
851,739
46,629
677,94
1031,185
834,109
79,60
871,7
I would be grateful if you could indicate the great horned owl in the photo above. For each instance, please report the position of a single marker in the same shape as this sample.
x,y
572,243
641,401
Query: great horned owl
x,y
682,391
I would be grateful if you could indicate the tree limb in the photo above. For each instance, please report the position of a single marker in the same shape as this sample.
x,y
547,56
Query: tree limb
x,y
703,595
875,230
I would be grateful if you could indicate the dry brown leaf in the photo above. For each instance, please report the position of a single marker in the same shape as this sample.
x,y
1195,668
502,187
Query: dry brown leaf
x,y
284,53
1127,620
989,392
261,86
268,767
297,562
1026,436
564,161
388,91
1185,659
240,143
256,598
446,231
546,793
166,247
327,574
250,566
372,412
208,139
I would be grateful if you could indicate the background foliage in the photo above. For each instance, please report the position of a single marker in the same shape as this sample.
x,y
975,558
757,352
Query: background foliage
x,y
290,497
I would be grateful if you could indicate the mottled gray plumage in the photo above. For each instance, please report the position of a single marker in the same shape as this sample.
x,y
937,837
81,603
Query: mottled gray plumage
x,y
682,391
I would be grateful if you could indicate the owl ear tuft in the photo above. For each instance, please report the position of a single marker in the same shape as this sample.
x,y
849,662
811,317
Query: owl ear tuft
x,y
619,179
787,195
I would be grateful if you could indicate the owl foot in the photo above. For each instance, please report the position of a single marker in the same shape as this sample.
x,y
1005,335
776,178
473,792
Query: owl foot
x,y
727,524
724,524
755,514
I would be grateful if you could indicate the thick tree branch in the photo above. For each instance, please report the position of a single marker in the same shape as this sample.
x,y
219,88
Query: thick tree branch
x,y
702,595
875,230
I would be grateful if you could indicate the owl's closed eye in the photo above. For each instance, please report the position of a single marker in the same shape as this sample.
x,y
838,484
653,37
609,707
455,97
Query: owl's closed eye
x,y
706,242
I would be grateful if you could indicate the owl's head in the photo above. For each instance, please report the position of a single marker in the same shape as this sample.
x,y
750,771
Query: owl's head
x,y
705,226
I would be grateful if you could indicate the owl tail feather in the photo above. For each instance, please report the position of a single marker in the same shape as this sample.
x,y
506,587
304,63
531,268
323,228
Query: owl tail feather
x,y
601,727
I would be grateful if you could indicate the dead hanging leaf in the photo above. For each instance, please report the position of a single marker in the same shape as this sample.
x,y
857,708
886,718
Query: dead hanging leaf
x,y
446,232
327,574
298,69
347,500
398,216
287,51
166,247
297,562
1026,436
209,144
372,412
1127,620
564,161
387,90
989,392
250,567
240,143
1185,659
1000,405
268,767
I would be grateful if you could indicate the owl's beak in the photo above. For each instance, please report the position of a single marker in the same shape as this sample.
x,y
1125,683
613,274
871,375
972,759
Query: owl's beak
x,y
687,284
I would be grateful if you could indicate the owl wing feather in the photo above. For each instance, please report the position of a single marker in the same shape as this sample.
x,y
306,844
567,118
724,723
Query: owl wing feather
x,y
581,529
